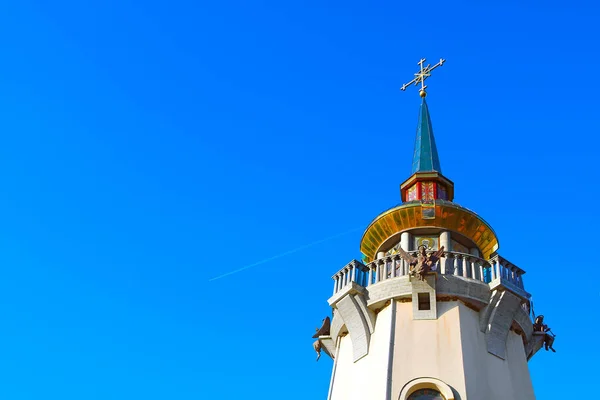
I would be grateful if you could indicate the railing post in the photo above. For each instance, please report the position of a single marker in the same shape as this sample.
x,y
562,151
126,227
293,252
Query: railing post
x,y
335,283
521,285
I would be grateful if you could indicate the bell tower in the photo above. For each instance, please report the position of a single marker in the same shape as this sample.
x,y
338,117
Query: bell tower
x,y
432,311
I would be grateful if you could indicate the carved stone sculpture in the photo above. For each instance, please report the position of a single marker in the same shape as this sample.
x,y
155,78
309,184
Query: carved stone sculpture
x,y
539,326
317,347
422,264
324,330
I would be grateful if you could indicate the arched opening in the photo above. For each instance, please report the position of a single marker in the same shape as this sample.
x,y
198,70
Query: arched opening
x,y
426,389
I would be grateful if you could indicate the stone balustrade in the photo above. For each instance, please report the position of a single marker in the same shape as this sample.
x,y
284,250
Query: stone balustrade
x,y
503,270
453,263
354,271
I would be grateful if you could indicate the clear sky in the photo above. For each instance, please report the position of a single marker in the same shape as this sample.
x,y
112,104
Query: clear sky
x,y
149,146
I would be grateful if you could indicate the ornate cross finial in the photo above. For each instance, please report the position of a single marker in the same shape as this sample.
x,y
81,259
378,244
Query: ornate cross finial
x,y
423,74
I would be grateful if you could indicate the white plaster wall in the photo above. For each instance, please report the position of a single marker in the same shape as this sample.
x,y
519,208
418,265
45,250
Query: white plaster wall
x,y
451,348
366,378
488,376
428,348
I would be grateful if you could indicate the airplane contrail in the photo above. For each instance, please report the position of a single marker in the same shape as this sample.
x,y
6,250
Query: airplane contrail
x,y
297,249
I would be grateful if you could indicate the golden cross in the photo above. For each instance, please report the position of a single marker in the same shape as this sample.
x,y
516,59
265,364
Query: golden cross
x,y
423,74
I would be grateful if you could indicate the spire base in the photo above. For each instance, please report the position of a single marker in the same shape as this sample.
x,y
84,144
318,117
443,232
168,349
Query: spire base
x,y
427,186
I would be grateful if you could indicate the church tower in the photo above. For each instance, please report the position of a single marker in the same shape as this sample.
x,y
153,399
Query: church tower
x,y
432,312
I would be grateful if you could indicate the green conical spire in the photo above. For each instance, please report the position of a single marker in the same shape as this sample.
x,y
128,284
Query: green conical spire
x,y
425,157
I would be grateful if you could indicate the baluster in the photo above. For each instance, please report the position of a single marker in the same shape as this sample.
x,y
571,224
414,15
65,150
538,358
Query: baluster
x,y
456,260
493,269
465,267
388,268
383,270
353,272
481,276
473,268
370,278
393,266
335,283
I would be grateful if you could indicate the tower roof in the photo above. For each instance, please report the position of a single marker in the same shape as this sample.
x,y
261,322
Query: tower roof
x,y
425,156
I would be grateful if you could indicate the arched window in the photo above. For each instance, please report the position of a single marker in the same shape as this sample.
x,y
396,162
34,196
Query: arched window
x,y
426,394
426,389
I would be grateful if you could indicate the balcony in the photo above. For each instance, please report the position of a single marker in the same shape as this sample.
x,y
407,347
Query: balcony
x,y
496,271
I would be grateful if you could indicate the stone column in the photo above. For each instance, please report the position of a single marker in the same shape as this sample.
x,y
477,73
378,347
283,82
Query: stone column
x,y
405,241
445,240
447,243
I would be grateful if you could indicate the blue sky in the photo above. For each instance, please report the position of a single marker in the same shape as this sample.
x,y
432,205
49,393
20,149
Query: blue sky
x,y
151,146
